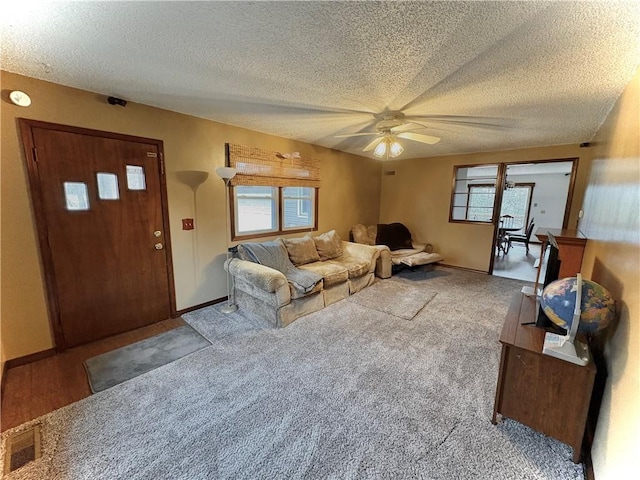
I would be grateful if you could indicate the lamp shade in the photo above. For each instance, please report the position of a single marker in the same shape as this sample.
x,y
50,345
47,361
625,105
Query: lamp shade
x,y
226,173
395,149
381,149
192,178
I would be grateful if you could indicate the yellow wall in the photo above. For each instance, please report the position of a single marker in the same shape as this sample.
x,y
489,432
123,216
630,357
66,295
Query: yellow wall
x,y
349,194
419,196
612,258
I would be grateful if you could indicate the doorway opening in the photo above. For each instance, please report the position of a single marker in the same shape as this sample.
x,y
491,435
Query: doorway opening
x,y
532,196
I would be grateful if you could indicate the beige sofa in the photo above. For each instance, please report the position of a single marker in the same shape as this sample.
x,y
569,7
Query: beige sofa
x,y
413,254
344,268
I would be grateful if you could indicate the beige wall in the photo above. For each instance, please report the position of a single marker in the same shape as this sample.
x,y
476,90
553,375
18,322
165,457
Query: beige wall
x,y
349,194
612,258
419,194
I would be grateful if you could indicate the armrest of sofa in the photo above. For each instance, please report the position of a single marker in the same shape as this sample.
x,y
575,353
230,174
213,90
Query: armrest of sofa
x,y
383,264
264,278
419,246
359,251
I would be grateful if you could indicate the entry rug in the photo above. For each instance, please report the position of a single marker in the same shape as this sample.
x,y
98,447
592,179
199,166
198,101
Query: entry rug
x,y
117,366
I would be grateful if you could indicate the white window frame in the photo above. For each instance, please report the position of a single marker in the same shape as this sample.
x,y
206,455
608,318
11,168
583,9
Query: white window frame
x,y
275,208
300,201
278,209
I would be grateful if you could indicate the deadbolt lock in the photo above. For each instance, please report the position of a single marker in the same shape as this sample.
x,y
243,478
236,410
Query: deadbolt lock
x,y
159,246
157,233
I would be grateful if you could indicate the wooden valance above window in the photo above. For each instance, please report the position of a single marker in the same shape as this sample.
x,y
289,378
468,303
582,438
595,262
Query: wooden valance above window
x,y
262,168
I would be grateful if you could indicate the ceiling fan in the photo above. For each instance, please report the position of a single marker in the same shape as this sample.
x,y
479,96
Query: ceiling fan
x,y
391,126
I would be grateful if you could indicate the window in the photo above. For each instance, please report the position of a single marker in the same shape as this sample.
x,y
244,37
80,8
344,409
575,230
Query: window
x,y
474,193
480,203
516,201
255,210
135,178
261,210
76,196
272,192
297,207
107,186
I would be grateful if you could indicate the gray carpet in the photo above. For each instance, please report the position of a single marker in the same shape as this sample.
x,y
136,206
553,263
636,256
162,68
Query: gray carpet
x,y
117,366
348,392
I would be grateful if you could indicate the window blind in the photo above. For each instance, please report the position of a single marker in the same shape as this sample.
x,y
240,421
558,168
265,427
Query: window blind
x,y
263,168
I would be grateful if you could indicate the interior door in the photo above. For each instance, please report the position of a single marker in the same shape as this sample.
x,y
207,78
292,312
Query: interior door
x,y
101,214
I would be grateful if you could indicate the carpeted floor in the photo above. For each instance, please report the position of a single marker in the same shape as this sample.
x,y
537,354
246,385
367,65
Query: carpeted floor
x,y
347,392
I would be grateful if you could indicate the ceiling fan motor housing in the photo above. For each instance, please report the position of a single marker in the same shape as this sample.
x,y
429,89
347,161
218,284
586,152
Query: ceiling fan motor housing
x,y
389,120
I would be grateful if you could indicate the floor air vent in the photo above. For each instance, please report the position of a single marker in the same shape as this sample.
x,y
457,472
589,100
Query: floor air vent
x,y
22,448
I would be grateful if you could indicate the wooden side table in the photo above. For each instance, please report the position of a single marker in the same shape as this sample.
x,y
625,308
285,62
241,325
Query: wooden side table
x,y
545,393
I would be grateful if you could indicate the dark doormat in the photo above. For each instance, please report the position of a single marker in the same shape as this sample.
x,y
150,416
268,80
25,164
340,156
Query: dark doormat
x,y
117,366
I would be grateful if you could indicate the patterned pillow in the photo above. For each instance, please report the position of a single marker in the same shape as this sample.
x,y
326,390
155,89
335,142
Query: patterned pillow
x,y
328,245
301,250
360,234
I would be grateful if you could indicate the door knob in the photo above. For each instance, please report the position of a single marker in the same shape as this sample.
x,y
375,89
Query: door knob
x,y
159,246
157,233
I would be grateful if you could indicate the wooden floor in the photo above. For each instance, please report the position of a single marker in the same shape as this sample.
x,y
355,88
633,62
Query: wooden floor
x,y
40,387
518,264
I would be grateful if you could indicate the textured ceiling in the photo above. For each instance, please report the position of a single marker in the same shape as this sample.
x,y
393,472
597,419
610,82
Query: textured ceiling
x,y
486,75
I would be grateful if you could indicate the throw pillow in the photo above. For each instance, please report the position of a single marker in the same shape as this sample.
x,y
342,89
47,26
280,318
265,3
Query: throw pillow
x,y
372,233
301,250
360,234
328,245
394,235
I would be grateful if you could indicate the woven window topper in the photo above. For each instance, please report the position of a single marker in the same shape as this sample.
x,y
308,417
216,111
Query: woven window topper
x,y
263,168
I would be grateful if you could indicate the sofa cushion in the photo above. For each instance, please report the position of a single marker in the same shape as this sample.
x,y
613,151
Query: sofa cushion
x,y
332,273
301,250
394,235
328,245
354,266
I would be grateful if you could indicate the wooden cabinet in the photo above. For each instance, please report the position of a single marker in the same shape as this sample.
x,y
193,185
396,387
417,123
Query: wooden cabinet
x,y
571,245
547,394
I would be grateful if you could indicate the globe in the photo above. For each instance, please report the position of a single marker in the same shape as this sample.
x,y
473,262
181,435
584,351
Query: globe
x,y
597,305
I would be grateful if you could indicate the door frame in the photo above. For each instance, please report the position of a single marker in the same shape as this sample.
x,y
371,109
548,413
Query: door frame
x,y
502,180
25,127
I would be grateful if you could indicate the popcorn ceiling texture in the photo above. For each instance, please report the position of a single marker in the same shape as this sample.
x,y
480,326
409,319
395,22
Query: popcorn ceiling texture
x,y
491,75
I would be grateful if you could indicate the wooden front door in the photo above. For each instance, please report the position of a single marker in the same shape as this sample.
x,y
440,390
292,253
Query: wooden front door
x,y
99,200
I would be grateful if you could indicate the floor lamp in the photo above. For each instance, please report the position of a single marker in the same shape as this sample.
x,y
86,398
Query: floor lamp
x,y
193,179
226,174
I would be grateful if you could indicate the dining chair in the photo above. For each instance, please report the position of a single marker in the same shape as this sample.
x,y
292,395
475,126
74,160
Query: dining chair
x,y
523,238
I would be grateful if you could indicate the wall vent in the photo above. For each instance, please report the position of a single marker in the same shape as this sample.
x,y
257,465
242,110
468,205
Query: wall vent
x,y
389,172
22,448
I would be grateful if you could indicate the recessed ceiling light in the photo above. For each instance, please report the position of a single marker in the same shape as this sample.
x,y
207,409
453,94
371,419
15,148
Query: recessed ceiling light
x,y
20,98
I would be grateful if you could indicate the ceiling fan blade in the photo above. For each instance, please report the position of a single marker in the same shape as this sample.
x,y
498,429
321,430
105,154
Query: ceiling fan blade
x,y
406,126
356,134
419,137
373,144
467,120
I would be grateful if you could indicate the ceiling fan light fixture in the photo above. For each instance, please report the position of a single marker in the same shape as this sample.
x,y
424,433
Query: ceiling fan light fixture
x,y
395,149
381,149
